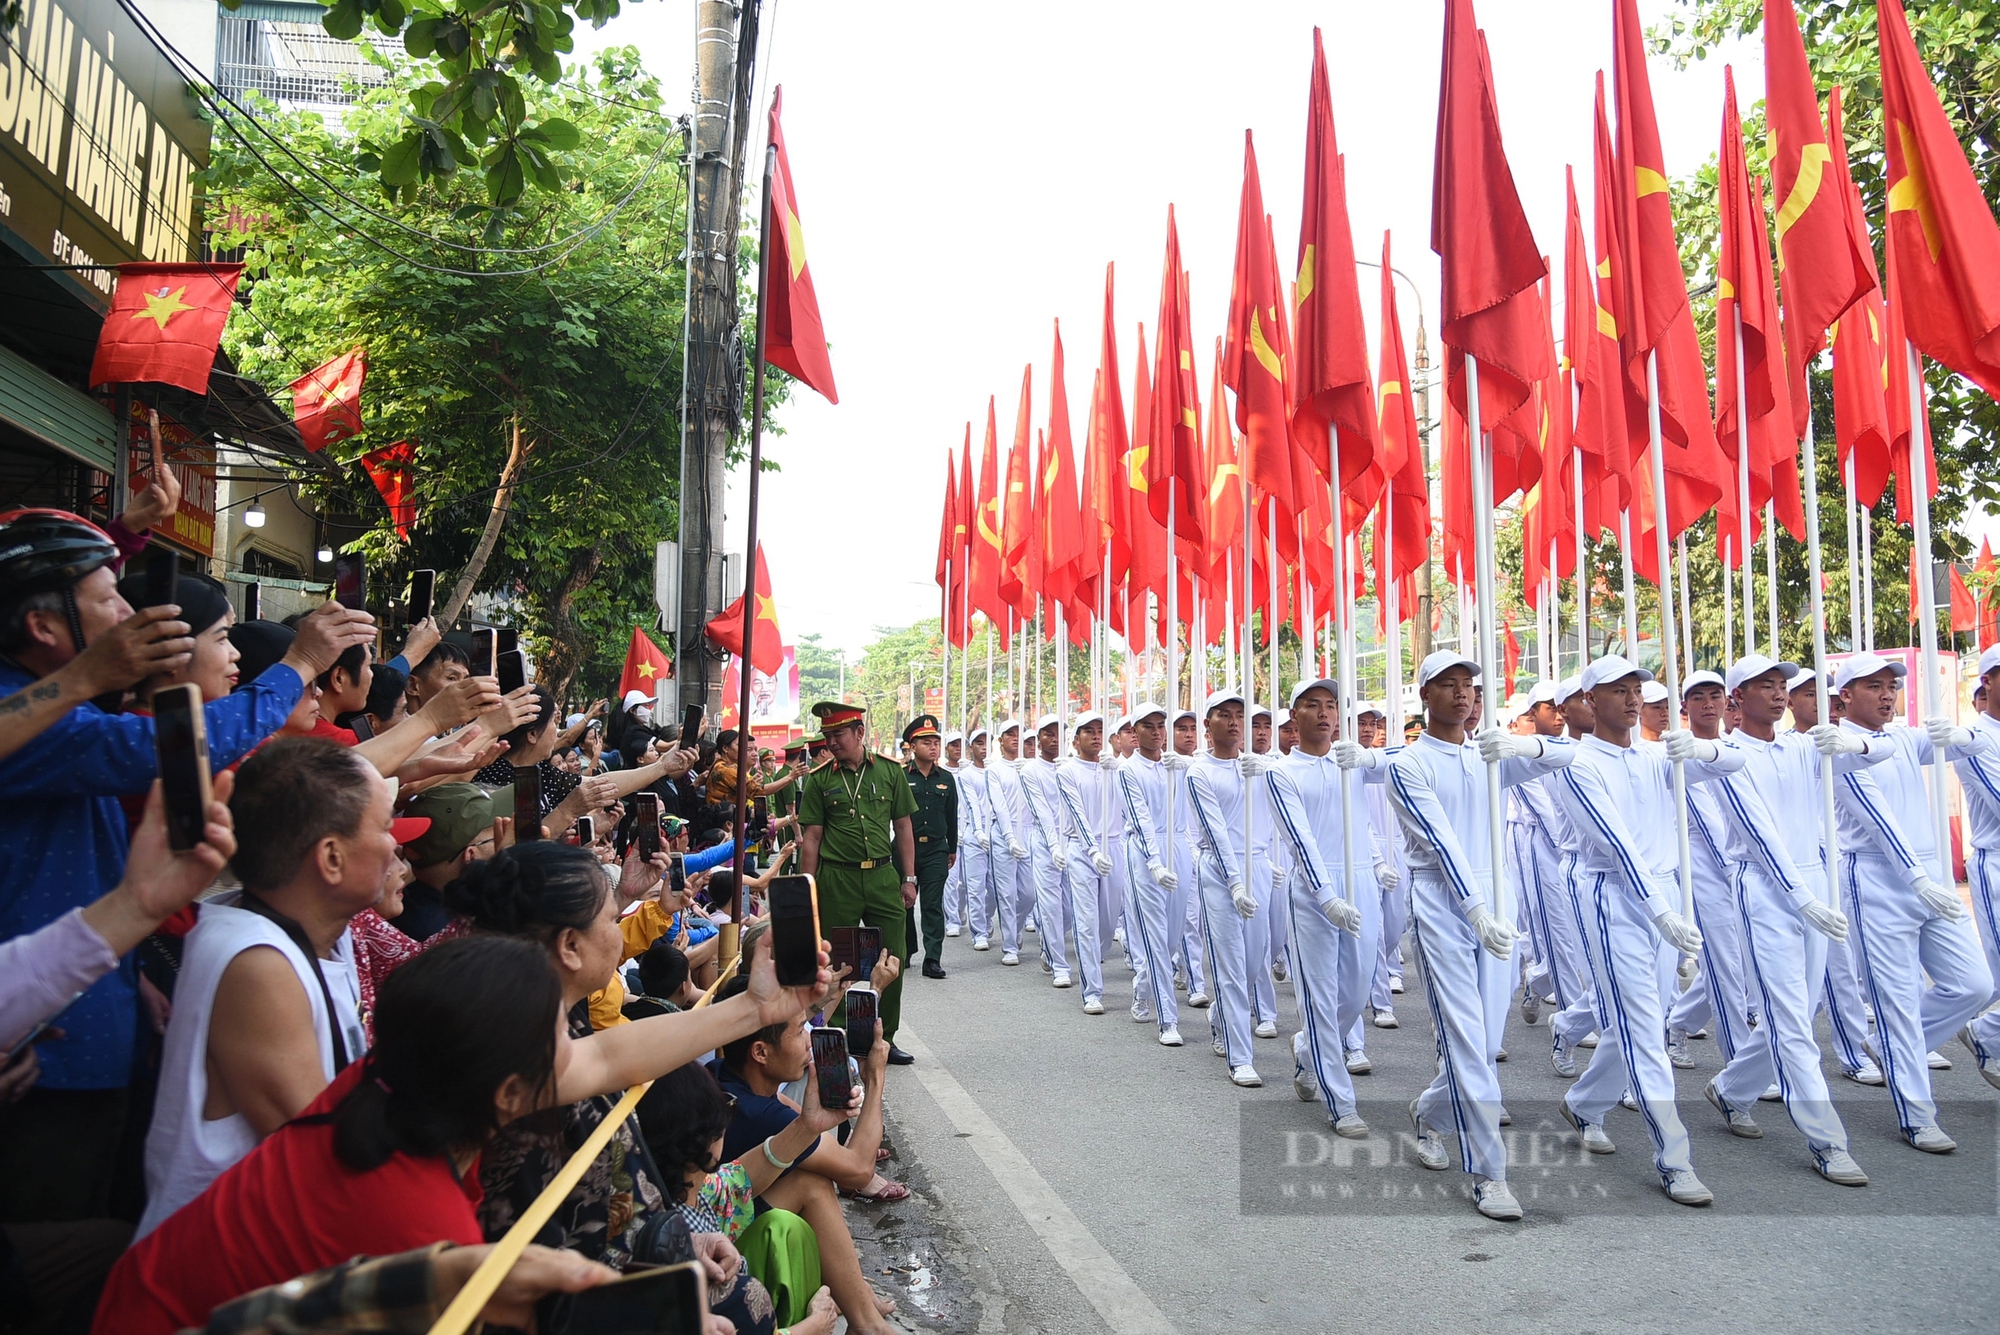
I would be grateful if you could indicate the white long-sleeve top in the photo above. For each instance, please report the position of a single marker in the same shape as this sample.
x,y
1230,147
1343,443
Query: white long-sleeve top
x,y
1621,801
1980,776
1006,803
1141,786
973,820
1439,792
1044,802
1771,812
1080,786
1304,792
1215,790
1382,824
1885,811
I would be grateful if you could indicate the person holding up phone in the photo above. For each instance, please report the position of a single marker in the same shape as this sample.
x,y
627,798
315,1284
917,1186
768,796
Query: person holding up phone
x,y
857,839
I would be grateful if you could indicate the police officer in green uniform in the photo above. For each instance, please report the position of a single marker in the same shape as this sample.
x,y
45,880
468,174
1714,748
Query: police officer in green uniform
x,y
936,828
785,802
855,838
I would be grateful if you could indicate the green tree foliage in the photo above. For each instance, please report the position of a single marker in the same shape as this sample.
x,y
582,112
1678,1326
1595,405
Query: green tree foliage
x,y
583,353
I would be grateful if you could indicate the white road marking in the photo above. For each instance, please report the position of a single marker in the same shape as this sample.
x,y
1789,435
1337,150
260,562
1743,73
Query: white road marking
x,y
1102,1281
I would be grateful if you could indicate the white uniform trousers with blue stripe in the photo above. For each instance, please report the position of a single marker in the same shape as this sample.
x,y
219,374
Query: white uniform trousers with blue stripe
x,y
1560,974
1231,959
1051,906
1983,869
1084,896
1148,914
1389,953
1722,974
1626,956
1578,1017
1468,990
1331,973
971,886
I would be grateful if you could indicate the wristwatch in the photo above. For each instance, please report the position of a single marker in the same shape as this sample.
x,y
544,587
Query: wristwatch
x,y
909,880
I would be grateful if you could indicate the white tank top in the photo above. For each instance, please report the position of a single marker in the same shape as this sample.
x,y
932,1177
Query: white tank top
x,y
184,1150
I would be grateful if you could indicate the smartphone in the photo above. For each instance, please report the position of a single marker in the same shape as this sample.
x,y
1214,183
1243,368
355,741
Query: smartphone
x,y
512,670
867,952
362,728
180,736
423,588
507,640
692,723
527,804
794,909
483,654
163,577
677,876
350,580
840,949
861,1012
836,1083
253,602
586,831
652,1300
646,822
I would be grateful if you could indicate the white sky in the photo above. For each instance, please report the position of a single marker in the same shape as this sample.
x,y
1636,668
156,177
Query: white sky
x,y
963,175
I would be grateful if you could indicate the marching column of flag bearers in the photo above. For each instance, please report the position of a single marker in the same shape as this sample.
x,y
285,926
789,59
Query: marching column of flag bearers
x,y
1780,844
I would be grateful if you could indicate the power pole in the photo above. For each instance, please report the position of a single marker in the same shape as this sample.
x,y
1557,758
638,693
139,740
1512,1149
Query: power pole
x,y
1420,640
713,355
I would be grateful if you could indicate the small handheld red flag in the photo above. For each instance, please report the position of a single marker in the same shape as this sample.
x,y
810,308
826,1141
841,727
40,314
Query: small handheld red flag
x,y
795,340
165,324
767,648
326,401
645,666
391,469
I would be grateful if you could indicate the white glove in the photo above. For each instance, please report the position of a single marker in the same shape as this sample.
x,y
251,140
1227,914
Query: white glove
x,y
1944,733
1678,932
1686,970
1246,903
1163,878
1278,879
985,840
1253,764
1939,900
1830,923
1496,935
1175,762
1060,858
1353,755
1342,915
1495,745
1684,745
1107,763
1834,740
1018,849
1387,876
1102,862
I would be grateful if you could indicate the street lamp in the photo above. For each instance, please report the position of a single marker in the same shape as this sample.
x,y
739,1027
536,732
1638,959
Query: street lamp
x,y
325,553
254,517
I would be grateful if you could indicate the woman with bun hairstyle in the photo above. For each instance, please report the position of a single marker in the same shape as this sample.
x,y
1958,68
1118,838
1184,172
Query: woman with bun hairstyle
x,y
470,1038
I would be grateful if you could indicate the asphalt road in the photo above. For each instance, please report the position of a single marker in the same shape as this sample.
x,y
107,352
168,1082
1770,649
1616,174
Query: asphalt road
x,y
1072,1175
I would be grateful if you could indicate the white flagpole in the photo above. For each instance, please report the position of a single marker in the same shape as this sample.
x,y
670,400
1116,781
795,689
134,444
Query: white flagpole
x,y
1392,681
1745,545
1308,632
944,676
1343,605
1929,699
1771,573
1173,648
1582,555
1853,556
990,628
1687,618
1062,668
1631,593
1728,593
1867,521
1829,827
1229,641
1667,630
1276,582
1486,576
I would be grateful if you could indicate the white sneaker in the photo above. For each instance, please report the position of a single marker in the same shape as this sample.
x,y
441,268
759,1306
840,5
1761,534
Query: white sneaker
x,y
1506,1118
1988,1067
1141,1014
1931,1140
1740,1124
1562,1058
951,931
1061,979
1386,1019
1350,1127
1358,1063
1246,1076
1199,1000
1119,936
1031,925
1495,1200
1500,1054
1396,983
1589,1040
1839,1166
981,943
1303,1084
1180,979
1628,1102
1170,1037
1937,1061
1431,1152
1266,1029
1677,1050
1092,1006
1531,1008
1279,973
1591,1133
1684,1188
1698,1033
1756,1019
1046,966
1868,1073
1771,1095
1010,957
1221,1048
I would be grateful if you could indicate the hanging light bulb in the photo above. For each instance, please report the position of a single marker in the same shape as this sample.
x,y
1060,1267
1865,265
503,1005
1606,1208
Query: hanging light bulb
x,y
254,516
325,553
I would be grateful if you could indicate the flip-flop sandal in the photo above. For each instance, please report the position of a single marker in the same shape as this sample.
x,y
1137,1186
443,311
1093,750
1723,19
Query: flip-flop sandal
x,y
882,1155
887,1191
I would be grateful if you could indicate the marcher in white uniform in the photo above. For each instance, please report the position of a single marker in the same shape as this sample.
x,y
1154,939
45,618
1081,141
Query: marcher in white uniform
x,y
1620,799
1371,727
975,840
1771,810
1051,844
1552,977
1118,744
1574,1025
1335,893
1010,862
1190,953
1909,922
1464,934
1218,787
1980,777
1840,991
1720,991
955,883
1155,870
1274,903
1082,787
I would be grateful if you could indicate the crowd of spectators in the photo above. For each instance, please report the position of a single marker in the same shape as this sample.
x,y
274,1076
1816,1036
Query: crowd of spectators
x,y
301,1075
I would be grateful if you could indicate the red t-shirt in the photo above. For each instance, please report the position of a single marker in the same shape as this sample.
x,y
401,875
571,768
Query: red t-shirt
x,y
333,732
286,1209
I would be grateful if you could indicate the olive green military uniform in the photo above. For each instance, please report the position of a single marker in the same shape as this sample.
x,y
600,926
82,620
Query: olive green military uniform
x,y
935,827
859,884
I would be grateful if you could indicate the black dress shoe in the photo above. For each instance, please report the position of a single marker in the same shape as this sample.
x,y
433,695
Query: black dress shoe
x,y
898,1057
932,969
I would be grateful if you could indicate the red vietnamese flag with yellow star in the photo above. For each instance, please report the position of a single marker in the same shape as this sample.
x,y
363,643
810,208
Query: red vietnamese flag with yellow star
x,y
767,649
392,470
326,401
1149,536
961,570
645,666
988,554
165,324
1613,416
1174,447
794,337
1406,500
1860,407
951,531
1106,488
1067,557
1017,586
1251,361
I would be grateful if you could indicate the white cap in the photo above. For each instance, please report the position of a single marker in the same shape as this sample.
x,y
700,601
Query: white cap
x,y
1145,709
1217,699
1260,711
1367,707
1186,713
1323,683
1008,725
1752,666
1543,693
953,738
1989,660
1865,665
1048,721
1612,667
977,733
1653,692
1565,688
1701,678
1441,661
1088,716
1803,677
1284,716
1124,722
635,698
